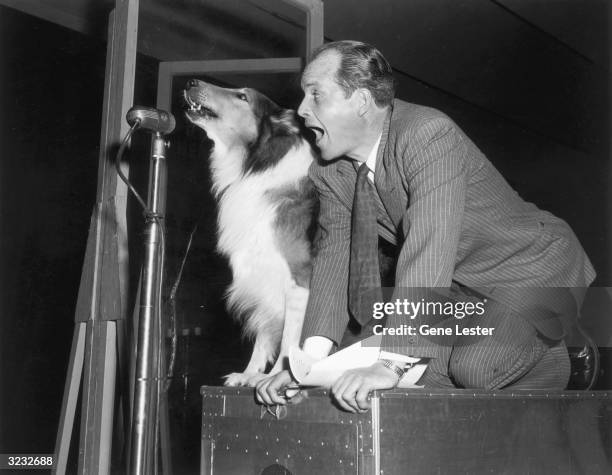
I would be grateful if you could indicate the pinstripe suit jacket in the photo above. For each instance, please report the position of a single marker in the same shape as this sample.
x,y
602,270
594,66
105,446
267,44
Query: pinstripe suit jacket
x,y
452,213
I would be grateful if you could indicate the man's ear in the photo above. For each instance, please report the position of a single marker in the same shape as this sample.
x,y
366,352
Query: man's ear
x,y
365,100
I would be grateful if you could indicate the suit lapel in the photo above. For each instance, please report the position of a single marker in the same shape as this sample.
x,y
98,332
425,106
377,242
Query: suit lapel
x,y
387,179
343,181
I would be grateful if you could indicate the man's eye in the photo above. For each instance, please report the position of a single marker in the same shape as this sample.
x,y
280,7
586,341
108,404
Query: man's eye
x,y
243,97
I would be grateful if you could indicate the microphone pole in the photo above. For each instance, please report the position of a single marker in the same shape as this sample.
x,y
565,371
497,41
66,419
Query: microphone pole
x,y
149,346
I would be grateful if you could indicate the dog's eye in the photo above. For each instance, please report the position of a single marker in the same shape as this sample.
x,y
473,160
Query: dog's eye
x,y
243,97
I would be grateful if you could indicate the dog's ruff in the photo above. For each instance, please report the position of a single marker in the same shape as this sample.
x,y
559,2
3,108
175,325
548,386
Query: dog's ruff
x,y
259,165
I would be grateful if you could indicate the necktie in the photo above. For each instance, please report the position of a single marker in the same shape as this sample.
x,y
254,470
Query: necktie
x,y
364,272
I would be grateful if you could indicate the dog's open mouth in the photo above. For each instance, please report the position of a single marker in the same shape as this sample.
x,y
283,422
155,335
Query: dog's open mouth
x,y
201,111
198,109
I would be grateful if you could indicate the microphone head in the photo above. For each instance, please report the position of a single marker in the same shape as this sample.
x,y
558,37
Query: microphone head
x,y
154,120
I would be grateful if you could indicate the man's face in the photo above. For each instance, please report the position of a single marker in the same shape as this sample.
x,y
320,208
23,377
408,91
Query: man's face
x,y
333,117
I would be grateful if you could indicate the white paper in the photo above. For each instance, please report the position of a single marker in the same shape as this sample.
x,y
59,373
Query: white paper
x,y
308,371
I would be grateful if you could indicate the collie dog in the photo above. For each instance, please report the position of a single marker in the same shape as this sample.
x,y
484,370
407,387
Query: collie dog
x,y
267,206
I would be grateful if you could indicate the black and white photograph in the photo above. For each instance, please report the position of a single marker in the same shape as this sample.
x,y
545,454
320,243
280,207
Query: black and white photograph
x,y
306,237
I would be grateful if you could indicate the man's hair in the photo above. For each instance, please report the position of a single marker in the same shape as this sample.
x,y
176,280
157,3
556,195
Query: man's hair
x,y
362,66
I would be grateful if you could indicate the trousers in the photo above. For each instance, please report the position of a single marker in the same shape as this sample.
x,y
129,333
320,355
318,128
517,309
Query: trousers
x,y
515,356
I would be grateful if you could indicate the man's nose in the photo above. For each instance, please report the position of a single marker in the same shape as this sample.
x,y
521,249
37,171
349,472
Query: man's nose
x,y
303,109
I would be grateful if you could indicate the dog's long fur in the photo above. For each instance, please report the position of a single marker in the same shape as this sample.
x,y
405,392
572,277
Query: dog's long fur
x,y
267,204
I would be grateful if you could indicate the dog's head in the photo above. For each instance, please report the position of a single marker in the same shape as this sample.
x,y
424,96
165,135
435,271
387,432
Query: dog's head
x,y
245,125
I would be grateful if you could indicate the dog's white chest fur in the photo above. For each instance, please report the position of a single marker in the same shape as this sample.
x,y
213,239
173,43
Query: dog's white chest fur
x,y
247,214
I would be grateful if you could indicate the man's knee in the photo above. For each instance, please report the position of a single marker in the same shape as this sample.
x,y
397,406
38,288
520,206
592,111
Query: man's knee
x,y
494,367
469,372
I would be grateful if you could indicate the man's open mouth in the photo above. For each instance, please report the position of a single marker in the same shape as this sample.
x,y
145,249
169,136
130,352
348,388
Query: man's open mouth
x,y
318,132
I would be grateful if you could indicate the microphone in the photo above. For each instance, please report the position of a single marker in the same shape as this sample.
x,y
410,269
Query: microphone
x,y
154,120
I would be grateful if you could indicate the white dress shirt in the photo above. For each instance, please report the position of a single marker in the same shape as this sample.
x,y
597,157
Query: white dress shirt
x,y
371,160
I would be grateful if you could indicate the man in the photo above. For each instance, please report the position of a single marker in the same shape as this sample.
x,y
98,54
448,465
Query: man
x,y
456,222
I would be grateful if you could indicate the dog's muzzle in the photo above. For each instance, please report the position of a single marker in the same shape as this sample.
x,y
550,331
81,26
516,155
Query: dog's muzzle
x,y
196,106
192,105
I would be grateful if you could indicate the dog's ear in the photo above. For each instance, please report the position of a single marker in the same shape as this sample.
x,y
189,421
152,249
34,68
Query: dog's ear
x,y
263,106
278,133
285,122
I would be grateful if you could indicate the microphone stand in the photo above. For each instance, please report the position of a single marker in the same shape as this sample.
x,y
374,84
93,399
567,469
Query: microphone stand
x,y
149,350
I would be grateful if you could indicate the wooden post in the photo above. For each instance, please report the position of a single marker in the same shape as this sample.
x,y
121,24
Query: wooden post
x,y
102,299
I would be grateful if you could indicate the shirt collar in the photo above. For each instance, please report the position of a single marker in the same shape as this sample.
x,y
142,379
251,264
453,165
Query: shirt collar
x,y
371,160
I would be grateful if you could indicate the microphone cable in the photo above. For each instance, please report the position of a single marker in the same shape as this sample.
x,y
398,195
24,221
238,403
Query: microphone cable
x,y
118,158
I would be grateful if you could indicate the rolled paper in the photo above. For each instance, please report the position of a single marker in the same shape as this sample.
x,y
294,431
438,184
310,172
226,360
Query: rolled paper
x,y
308,371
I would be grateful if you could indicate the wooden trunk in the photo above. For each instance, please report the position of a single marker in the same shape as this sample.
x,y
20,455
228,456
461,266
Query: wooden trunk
x,y
409,431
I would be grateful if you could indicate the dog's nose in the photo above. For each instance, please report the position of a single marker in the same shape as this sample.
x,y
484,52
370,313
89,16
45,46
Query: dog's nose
x,y
191,83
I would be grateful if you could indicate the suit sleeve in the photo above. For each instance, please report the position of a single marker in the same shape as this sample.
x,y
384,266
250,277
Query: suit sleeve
x,y
435,169
327,310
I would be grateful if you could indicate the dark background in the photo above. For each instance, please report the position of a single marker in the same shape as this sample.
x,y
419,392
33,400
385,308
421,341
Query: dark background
x,y
537,107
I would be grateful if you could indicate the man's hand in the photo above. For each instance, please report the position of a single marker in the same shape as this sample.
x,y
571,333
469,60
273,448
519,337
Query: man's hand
x,y
267,390
352,388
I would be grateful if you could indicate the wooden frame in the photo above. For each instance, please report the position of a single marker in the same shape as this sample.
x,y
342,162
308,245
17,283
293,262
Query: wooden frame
x,y
314,22
314,39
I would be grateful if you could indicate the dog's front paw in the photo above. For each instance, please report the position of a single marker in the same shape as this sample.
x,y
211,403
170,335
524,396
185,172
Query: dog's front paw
x,y
243,379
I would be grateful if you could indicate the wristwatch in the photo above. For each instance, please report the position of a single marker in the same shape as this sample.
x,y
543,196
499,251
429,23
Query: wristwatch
x,y
397,369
